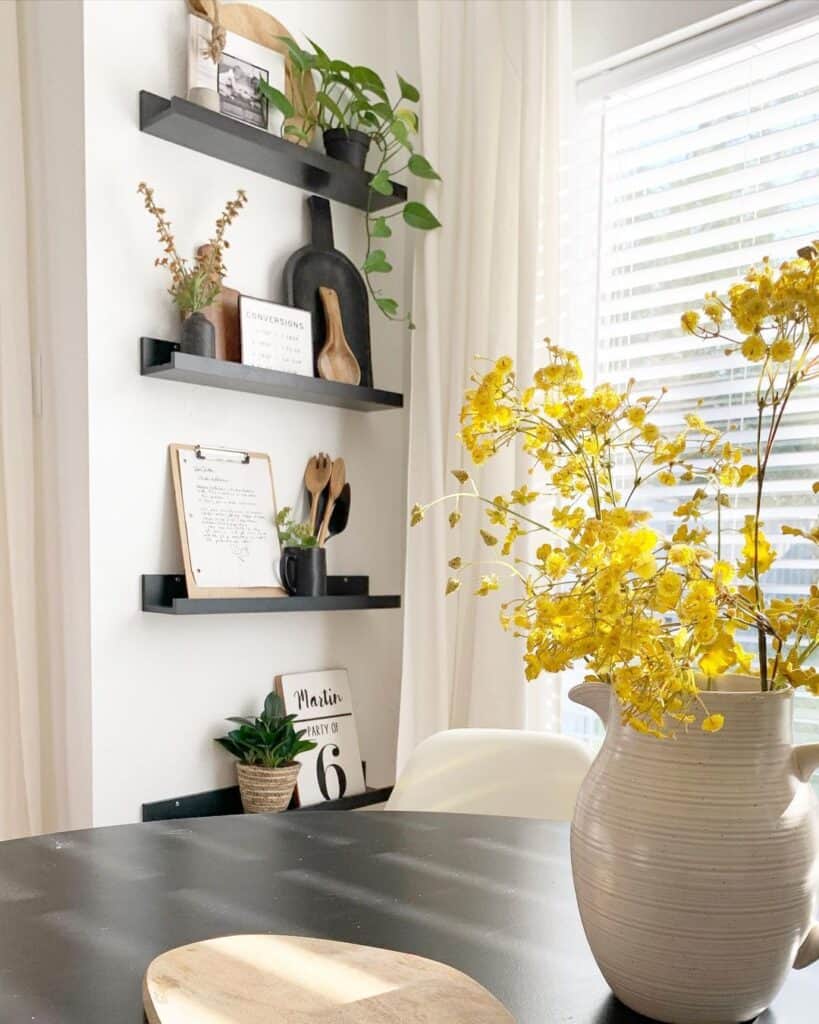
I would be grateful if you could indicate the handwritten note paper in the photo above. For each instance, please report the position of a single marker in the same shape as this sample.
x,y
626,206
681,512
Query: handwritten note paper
x,y
275,337
230,521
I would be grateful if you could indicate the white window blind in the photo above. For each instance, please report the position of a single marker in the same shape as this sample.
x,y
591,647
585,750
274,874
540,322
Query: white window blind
x,y
684,179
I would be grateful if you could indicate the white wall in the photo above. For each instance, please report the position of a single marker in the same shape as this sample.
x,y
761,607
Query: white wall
x,y
603,28
162,685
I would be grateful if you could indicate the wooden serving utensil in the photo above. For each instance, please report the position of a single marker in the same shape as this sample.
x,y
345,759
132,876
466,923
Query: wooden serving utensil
x,y
316,477
336,360
338,478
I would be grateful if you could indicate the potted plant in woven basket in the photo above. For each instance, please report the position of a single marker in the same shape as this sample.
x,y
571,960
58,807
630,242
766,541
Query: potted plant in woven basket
x,y
266,749
695,839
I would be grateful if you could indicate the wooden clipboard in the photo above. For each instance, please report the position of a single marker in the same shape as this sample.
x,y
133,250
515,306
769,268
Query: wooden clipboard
x,y
194,590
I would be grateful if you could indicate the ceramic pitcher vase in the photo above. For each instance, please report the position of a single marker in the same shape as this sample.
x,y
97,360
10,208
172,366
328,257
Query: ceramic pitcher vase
x,y
695,858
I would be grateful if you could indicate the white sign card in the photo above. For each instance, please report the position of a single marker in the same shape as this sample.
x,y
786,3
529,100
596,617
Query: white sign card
x,y
324,706
236,77
230,519
275,337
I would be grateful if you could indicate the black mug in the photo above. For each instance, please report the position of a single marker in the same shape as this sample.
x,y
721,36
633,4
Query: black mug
x,y
304,571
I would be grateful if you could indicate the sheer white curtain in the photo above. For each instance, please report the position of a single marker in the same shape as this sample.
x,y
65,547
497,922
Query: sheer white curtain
x,y
20,784
495,82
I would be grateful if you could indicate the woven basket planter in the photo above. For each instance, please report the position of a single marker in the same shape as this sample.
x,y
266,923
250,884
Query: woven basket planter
x,y
266,790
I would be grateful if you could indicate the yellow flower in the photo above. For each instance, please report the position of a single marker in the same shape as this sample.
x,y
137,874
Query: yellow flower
x,y
488,583
456,562
635,415
452,584
689,321
504,364
667,478
782,350
488,538
723,572
460,475
669,587
713,723
417,514
754,348
454,518
650,432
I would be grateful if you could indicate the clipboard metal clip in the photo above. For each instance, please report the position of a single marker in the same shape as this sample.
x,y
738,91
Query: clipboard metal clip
x,y
222,454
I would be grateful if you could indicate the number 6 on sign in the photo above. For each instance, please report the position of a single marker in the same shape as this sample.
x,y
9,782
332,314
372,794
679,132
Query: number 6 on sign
x,y
322,768
323,707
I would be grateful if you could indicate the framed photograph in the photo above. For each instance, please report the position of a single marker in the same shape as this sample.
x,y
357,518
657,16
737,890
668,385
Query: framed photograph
x,y
238,88
275,337
324,708
235,79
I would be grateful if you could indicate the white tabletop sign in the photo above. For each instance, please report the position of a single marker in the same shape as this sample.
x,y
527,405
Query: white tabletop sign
x,y
324,706
275,337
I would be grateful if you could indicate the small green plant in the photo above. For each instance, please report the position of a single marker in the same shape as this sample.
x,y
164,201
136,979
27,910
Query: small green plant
x,y
269,740
293,534
354,98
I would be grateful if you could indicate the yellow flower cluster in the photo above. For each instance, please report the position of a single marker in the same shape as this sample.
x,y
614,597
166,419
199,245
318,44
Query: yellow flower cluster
x,y
771,318
601,587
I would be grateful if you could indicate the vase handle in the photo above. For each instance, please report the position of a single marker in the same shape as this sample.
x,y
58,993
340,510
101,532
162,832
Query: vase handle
x,y
807,762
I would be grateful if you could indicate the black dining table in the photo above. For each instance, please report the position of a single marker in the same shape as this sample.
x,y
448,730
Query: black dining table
x,y
83,913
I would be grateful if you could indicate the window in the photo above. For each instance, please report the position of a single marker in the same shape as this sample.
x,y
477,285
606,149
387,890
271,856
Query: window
x,y
687,177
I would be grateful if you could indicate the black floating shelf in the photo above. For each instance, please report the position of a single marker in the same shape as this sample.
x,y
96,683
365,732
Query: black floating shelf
x,y
169,596
162,359
194,127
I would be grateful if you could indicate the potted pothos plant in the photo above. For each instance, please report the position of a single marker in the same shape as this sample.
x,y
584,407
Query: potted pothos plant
x,y
266,749
196,283
354,111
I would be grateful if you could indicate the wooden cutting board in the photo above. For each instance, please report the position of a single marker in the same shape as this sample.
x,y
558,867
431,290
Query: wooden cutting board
x,y
257,979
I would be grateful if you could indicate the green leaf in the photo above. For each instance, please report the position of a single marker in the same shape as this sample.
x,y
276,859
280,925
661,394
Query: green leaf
x,y
381,228
387,306
408,92
409,117
381,183
368,79
273,705
277,98
330,104
298,56
377,263
341,67
323,59
418,216
401,132
383,110
422,168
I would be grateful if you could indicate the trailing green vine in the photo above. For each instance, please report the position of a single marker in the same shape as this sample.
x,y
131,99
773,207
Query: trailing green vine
x,y
354,98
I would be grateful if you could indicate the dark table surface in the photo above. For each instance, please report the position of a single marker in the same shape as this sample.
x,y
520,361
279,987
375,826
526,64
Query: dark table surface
x,y
83,913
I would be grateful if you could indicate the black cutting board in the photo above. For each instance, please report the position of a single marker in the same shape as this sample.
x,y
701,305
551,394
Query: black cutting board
x,y
319,265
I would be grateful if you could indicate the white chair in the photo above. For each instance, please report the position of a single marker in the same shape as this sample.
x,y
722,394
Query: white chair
x,y
493,771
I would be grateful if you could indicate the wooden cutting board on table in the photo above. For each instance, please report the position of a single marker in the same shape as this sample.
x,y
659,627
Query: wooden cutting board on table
x,y
258,979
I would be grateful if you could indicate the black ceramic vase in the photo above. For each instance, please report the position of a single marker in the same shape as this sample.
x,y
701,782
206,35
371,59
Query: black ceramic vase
x,y
198,338
351,147
304,571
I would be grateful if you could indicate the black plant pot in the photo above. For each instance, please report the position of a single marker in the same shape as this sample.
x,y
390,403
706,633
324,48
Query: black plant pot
x,y
304,571
351,147
198,338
